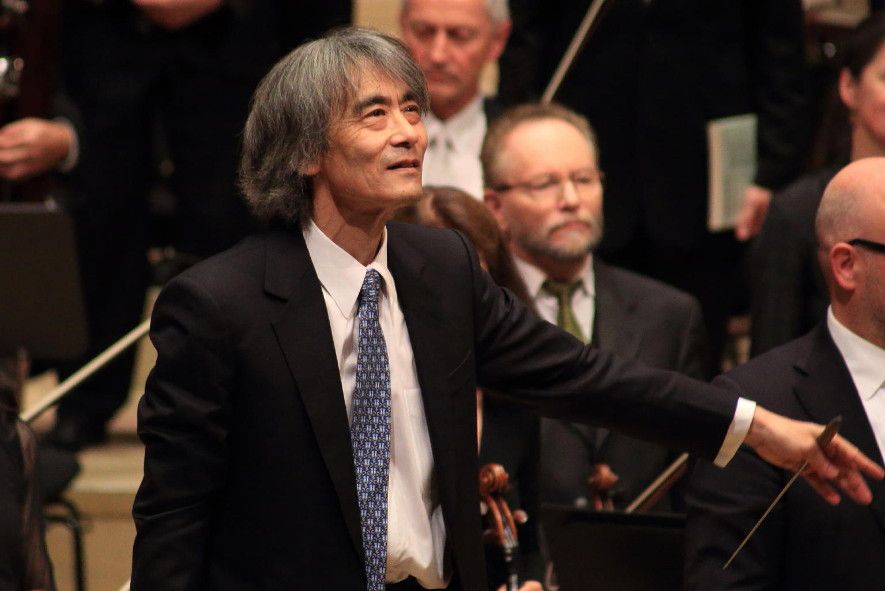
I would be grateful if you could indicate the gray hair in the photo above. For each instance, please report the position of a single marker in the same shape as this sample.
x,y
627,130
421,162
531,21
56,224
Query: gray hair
x,y
492,146
498,10
296,104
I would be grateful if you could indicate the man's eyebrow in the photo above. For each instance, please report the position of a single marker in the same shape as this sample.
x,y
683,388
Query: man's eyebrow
x,y
382,100
375,99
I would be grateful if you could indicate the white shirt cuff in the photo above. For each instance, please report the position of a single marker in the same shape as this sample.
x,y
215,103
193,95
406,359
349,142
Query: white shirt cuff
x,y
737,431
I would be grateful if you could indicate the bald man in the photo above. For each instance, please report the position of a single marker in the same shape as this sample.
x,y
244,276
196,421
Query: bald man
x,y
837,369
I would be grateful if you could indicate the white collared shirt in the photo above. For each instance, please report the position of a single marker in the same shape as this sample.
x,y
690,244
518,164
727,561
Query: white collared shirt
x,y
453,146
866,364
415,530
584,308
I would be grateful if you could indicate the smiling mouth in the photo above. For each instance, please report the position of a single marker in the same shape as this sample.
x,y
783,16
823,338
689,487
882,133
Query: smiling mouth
x,y
405,164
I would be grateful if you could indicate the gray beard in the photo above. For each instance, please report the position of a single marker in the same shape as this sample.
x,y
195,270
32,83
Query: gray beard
x,y
565,255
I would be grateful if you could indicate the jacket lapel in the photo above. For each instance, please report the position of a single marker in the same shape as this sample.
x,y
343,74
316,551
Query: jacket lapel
x,y
613,328
422,310
825,389
305,338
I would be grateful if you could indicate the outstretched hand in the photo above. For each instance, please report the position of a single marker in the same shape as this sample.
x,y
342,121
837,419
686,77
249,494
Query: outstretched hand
x,y
787,443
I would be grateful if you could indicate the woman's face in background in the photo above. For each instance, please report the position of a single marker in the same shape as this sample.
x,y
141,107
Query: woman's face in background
x,y
865,98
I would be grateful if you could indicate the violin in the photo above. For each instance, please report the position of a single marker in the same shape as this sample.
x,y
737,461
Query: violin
x,y
493,485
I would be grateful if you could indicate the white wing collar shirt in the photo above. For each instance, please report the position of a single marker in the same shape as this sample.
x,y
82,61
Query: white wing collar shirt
x,y
415,529
453,146
866,364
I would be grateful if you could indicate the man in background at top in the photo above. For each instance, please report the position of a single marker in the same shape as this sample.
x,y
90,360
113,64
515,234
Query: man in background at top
x,y
452,41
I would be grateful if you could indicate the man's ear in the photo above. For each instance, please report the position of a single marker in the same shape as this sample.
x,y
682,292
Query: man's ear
x,y
500,35
492,200
843,264
848,89
312,168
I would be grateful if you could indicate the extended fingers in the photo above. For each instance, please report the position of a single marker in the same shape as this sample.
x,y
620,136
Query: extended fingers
x,y
844,453
822,487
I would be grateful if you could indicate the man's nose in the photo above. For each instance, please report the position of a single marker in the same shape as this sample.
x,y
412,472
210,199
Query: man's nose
x,y
568,197
439,47
405,132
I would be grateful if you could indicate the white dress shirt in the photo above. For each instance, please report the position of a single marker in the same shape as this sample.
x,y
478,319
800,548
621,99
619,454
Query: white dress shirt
x,y
866,364
415,531
453,145
584,308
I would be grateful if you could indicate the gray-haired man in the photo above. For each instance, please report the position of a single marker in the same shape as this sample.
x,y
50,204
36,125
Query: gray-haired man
x,y
310,422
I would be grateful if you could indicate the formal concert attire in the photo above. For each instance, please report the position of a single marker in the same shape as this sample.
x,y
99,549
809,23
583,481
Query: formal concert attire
x,y
249,473
454,144
804,543
636,318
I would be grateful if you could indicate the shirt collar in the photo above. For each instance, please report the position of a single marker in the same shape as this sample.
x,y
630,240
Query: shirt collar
x,y
339,273
865,361
534,278
465,129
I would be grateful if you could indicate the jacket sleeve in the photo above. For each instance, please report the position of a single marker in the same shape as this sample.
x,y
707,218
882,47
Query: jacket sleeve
x,y
184,424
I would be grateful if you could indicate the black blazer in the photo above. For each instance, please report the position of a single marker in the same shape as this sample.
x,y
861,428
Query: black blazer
x,y
249,479
641,319
804,543
650,77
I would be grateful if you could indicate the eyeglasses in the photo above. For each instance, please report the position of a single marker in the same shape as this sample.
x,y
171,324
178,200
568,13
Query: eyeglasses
x,y
550,186
870,244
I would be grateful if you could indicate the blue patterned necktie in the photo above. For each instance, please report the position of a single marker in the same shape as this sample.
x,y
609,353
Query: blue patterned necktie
x,y
370,431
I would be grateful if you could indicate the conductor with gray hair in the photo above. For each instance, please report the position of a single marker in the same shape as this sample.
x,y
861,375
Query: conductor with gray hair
x,y
311,420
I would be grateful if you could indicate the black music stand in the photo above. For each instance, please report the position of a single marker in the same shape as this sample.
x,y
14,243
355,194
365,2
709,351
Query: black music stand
x,y
609,550
41,306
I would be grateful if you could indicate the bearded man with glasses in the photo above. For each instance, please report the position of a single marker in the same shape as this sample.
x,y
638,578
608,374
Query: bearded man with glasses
x,y
545,189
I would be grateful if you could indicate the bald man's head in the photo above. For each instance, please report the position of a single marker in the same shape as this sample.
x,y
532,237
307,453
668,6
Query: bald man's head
x,y
850,227
846,203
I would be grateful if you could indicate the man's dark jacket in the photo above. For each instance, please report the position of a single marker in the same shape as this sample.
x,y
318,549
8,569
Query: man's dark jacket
x,y
249,481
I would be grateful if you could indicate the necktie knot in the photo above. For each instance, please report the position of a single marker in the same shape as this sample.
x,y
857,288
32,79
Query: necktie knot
x,y
565,317
563,290
371,288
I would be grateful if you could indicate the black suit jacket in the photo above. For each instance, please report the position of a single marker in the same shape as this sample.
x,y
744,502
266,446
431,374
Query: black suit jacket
x,y
249,479
649,78
804,543
636,318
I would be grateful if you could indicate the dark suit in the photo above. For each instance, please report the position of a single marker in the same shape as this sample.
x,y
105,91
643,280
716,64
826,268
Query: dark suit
x,y
804,543
636,318
649,79
249,480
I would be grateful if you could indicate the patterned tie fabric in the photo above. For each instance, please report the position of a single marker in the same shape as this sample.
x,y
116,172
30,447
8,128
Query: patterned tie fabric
x,y
565,317
370,431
